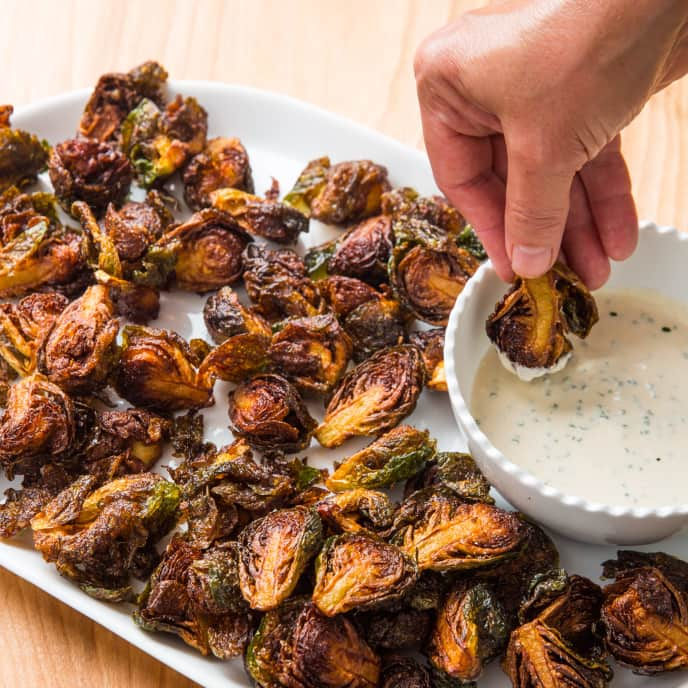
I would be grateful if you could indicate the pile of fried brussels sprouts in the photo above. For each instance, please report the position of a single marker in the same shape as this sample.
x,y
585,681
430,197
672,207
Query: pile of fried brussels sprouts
x,y
319,579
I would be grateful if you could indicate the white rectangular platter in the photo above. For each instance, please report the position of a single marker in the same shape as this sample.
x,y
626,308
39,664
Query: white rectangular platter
x,y
281,135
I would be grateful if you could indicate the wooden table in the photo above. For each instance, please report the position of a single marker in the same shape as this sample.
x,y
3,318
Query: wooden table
x,y
352,57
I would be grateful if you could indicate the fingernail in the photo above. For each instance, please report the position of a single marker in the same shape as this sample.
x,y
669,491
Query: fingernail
x,y
531,261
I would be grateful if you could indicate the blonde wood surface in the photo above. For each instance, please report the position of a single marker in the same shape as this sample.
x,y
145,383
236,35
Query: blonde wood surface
x,y
353,57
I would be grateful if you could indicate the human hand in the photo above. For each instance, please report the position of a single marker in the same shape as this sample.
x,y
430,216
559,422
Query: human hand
x,y
522,103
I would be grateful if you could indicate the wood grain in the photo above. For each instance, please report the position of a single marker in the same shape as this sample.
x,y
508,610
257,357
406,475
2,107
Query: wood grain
x,y
352,57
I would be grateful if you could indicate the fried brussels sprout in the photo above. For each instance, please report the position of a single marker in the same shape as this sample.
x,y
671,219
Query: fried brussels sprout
x,y
136,226
362,252
272,220
38,424
355,511
470,630
341,193
371,318
94,537
22,155
397,455
529,325
645,611
157,370
296,645
268,412
277,284
24,327
510,579
234,478
431,345
159,142
134,436
223,163
454,471
37,252
311,352
195,595
404,672
115,95
428,270
357,571
225,317
444,533
405,629
406,203
208,248
557,643
236,359
468,239
374,397
273,553
538,657
90,171
80,350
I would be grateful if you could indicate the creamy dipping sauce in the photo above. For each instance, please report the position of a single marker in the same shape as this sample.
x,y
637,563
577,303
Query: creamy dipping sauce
x,y
611,427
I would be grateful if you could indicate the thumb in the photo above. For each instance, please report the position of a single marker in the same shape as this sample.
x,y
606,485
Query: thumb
x,y
537,205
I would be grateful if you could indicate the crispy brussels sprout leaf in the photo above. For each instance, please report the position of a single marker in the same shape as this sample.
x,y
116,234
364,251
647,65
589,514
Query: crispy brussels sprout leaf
x,y
470,631
90,171
404,672
38,424
428,270
445,533
357,571
93,537
39,254
273,553
159,142
277,283
431,344
397,455
208,249
222,165
195,595
311,352
272,220
645,612
156,370
236,359
22,155
80,350
529,325
455,471
296,645
357,510
337,194
538,657
269,413
468,239
24,327
115,95
373,397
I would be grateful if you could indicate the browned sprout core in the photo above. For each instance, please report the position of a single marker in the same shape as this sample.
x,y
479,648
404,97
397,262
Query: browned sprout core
x,y
208,249
530,324
223,163
269,413
91,171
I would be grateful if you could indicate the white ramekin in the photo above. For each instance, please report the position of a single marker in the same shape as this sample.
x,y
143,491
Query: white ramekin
x,y
660,263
